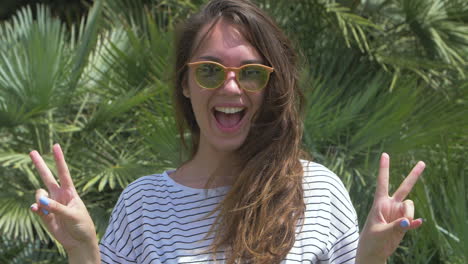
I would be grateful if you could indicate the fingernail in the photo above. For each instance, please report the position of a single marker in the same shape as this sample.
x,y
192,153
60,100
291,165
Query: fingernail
x,y
44,201
404,223
45,211
33,207
422,220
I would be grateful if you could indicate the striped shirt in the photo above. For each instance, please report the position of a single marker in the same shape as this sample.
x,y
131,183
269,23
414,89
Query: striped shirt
x,y
157,220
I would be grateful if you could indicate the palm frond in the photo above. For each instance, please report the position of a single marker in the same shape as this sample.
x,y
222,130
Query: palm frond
x,y
32,66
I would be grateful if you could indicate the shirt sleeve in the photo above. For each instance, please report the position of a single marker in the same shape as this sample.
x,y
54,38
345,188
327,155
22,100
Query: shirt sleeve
x,y
335,216
116,246
343,249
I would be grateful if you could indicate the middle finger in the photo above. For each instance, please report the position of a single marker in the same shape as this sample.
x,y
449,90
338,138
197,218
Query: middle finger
x,y
409,182
44,171
63,172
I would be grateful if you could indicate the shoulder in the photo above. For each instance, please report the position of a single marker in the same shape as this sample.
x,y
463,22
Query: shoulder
x,y
154,182
322,186
126,217
316,174
155,188
330,219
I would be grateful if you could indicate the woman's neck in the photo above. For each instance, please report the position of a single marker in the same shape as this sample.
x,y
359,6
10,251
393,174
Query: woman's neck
x,y
206,163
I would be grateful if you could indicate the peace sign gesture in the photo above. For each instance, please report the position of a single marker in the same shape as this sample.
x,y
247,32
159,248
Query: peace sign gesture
x,y
62,210
390,216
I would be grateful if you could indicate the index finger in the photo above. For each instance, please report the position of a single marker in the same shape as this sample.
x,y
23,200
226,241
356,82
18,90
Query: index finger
x,y
382,180
44,171
62,167
409,182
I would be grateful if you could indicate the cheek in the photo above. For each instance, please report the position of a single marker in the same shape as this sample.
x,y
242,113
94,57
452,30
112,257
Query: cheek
x,y
257,100
199,99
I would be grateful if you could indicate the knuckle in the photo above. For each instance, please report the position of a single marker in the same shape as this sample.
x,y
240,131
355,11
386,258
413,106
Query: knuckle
x,y
41,192
52,205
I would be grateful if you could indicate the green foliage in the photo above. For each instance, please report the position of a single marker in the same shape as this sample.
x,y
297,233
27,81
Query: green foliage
x,y
378,76
19,252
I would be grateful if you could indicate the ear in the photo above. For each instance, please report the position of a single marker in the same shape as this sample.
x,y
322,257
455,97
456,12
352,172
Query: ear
x,y
186,91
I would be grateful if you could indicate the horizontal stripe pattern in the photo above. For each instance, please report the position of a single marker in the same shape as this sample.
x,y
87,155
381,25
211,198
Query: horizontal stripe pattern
x,y
156,220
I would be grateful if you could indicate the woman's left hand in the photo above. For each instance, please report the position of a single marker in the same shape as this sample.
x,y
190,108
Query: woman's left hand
x,y
389,218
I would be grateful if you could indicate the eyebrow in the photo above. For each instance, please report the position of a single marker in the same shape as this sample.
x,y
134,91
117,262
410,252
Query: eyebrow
x,y
212,58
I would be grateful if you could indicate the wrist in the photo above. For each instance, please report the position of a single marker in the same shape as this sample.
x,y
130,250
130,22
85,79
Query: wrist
x,y
85,254
369,259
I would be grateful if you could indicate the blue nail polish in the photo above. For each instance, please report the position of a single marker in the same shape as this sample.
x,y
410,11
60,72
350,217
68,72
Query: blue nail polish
x,y
45,211
404,223
44,201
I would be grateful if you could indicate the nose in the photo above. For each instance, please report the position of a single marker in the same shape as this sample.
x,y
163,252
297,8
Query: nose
x,y
231,86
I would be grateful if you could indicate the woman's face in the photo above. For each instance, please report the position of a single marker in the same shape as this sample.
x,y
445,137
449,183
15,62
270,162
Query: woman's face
x,y
224,115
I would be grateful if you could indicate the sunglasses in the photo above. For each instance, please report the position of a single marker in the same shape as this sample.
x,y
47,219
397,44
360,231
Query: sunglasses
x,y
250,77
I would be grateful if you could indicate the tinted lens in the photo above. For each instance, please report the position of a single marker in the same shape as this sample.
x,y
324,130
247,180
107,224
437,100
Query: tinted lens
x,y
209,75
253,78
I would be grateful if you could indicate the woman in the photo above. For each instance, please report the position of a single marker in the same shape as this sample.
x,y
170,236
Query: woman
x,y
244,195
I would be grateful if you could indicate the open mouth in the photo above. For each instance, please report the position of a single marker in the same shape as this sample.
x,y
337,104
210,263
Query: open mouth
x,y
229,117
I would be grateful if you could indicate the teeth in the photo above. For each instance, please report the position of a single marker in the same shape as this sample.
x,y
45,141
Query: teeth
x,y
229,110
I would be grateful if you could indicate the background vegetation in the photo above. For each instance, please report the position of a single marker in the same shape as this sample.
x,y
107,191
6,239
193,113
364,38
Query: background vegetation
x,y
379,76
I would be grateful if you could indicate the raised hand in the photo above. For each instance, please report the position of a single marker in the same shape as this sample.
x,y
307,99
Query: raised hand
x,y
389,218
62,210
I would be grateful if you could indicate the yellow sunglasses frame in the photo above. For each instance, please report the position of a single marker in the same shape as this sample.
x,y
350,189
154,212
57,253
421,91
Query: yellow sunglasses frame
x,y
236,70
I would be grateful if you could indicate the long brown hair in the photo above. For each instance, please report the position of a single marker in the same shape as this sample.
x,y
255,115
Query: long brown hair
x,y
259,217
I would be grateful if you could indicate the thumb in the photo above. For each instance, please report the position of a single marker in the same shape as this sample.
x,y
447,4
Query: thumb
x,y
52,206
401,225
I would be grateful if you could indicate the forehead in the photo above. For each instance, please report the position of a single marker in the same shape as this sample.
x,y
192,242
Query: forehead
x,y
224,41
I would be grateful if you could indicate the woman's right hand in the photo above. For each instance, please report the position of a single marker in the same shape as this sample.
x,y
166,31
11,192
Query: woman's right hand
x,y
63,212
